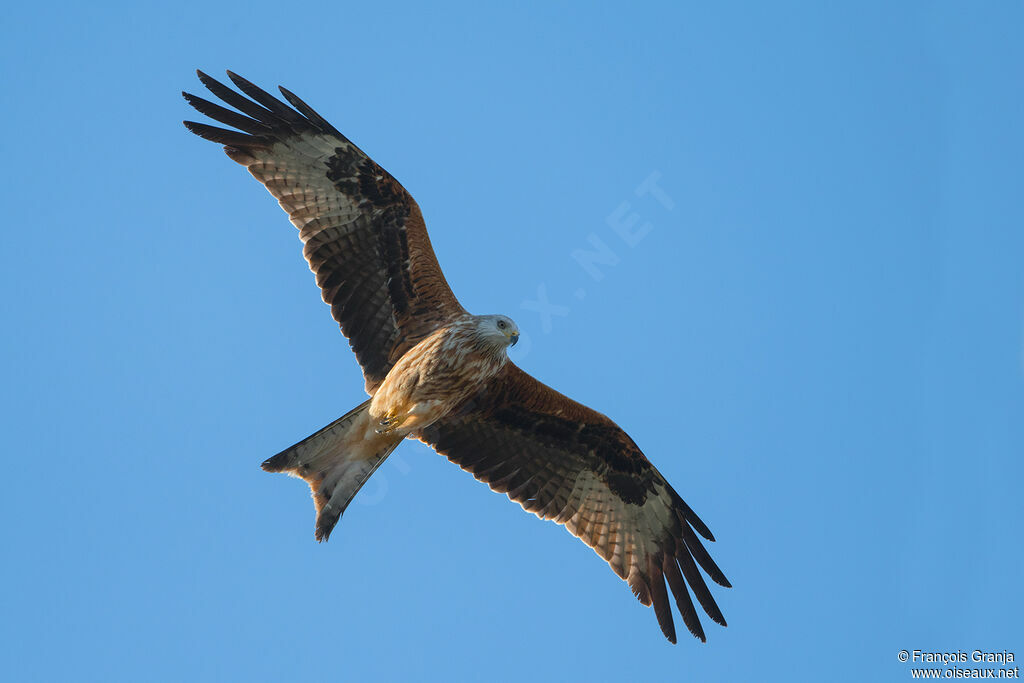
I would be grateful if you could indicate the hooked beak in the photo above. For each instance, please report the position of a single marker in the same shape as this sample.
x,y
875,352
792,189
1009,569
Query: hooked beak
x,y
514,338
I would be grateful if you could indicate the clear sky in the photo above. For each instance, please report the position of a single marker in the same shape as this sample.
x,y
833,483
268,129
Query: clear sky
x,y
817,336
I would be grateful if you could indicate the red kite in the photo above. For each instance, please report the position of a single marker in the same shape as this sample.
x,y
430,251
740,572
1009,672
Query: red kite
x,y
441,375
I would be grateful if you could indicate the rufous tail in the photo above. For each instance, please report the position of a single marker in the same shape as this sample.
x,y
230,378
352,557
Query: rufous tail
x,y
335,463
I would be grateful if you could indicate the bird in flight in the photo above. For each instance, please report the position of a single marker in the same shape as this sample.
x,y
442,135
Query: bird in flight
x,y
437,373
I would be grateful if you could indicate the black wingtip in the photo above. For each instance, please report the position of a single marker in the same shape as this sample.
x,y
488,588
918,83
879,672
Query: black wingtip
x,y
719,578
310,113
686,513
240,82
221,135
698,633
204,77
698,524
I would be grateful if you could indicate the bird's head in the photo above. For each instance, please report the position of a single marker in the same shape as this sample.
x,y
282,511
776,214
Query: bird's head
x,y
498,330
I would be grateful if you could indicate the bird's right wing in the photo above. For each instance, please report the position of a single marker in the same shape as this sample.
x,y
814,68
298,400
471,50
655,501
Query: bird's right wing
x,y
364,235
565,462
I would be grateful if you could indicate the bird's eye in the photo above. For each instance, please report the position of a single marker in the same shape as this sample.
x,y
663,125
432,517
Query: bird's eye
x,y
501,324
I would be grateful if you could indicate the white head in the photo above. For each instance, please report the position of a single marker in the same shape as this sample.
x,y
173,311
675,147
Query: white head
x,y
497,330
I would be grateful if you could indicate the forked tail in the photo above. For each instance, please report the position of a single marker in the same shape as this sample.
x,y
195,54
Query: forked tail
x,y
335,461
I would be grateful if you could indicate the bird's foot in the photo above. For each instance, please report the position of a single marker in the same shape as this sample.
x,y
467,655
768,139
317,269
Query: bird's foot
x,y
388,424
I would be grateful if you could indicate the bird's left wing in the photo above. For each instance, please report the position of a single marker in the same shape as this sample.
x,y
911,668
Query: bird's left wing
x,y
565,462
363,233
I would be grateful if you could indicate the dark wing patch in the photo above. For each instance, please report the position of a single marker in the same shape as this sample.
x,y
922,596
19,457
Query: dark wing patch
x,y
565,462
364,235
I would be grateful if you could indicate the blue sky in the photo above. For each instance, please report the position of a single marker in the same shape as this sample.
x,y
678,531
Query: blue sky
x,y
819,338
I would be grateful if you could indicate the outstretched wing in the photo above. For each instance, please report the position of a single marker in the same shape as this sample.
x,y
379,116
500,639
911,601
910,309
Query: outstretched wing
x,y
364,234
565,462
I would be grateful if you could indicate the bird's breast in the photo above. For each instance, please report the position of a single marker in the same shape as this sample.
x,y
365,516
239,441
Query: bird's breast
x,y
436,375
